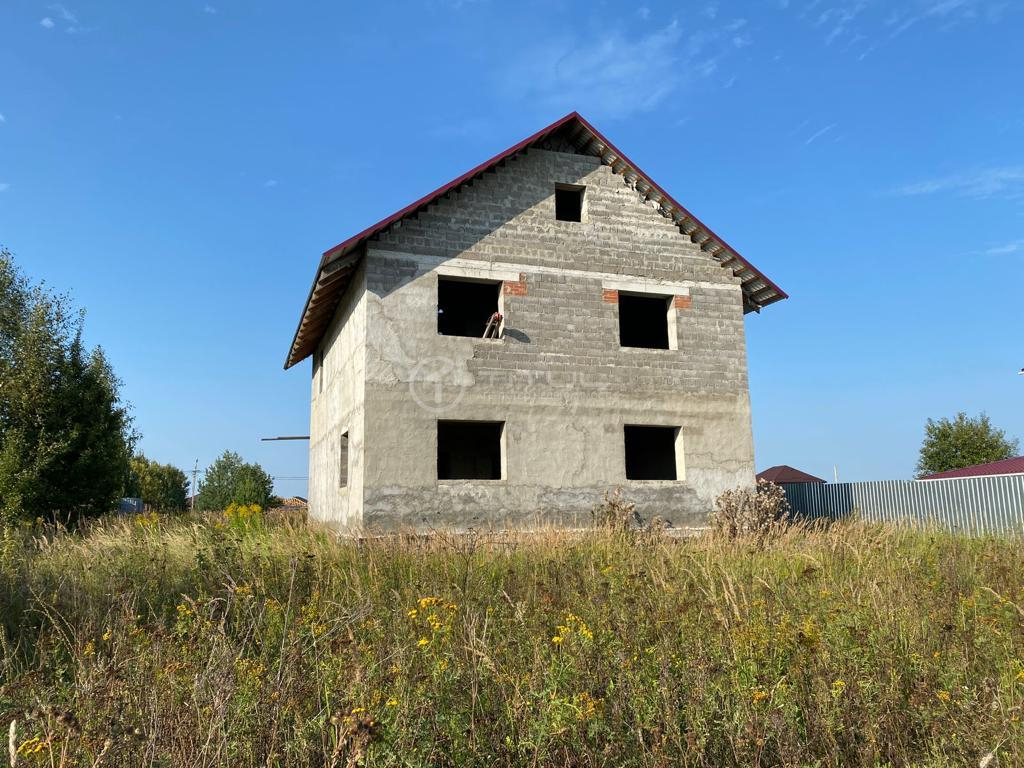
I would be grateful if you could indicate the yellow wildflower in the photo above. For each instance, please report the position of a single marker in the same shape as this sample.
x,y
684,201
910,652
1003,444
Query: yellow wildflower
x,y
391,703
943,696
30,746
588,706
422,641
759,695
557,639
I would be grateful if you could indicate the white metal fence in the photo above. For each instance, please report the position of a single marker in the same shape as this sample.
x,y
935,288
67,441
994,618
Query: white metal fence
x,y
976,505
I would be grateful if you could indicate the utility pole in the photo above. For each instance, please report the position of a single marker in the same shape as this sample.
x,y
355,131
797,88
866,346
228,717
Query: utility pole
x,y
195,474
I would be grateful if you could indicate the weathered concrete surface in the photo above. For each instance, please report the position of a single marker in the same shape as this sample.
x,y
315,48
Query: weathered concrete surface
x,y
338,399
557,378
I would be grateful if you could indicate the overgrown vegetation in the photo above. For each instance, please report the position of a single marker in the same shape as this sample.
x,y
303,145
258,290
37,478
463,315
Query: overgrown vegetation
x,y
756,513
241,640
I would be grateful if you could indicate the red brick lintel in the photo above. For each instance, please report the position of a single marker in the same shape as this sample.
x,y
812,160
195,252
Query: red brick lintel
x,y
516,288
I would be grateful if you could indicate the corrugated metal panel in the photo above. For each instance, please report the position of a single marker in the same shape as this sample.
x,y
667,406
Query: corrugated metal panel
x,y
975,505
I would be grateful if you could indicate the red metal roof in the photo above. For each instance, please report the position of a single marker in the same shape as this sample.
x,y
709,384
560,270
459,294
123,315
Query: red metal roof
x,y
787,474
335,268
1014,466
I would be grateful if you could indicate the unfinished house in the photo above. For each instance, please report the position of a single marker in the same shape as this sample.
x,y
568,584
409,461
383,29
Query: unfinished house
x,y
547,326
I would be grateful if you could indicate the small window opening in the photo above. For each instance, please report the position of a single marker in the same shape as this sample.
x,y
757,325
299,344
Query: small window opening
x,y
469,450
320,370
464,307
343,461
569,203
651,453
643,321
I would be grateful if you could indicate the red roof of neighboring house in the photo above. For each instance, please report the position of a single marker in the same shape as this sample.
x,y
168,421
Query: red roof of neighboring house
x,y
1014,466
786,474
338,263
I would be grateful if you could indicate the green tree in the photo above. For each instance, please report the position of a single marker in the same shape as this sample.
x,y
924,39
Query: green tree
x,y
65,436
229,479
162,486
962,442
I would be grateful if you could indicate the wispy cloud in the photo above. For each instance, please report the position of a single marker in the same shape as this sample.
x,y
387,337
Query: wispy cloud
x,y
209,9
999,181
864,25
837,20
741,41
3,118
62,14
818,134
643,12
4,186
270,183
65,14
1014,246
617,74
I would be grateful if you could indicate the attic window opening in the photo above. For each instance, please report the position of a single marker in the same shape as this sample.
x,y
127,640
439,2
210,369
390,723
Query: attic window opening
x,y
645,321
569,202
464,307
652,453
469,450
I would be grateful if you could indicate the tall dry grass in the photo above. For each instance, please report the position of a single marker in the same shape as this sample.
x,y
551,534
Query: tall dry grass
x,y
251,643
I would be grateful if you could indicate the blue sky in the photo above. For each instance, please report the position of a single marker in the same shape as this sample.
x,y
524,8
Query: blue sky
x,y
179,167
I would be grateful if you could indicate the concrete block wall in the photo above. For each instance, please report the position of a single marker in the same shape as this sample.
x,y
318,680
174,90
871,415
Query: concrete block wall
x,y
557,378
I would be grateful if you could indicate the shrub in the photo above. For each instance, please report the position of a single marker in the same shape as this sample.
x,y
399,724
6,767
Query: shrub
x,y
616,513
162,486
229,480
745,512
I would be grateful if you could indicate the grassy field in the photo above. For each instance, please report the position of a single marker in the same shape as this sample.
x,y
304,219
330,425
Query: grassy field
x,y
248,642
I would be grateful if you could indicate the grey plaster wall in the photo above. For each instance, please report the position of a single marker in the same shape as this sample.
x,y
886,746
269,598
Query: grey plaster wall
x,y
557,378
338,397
